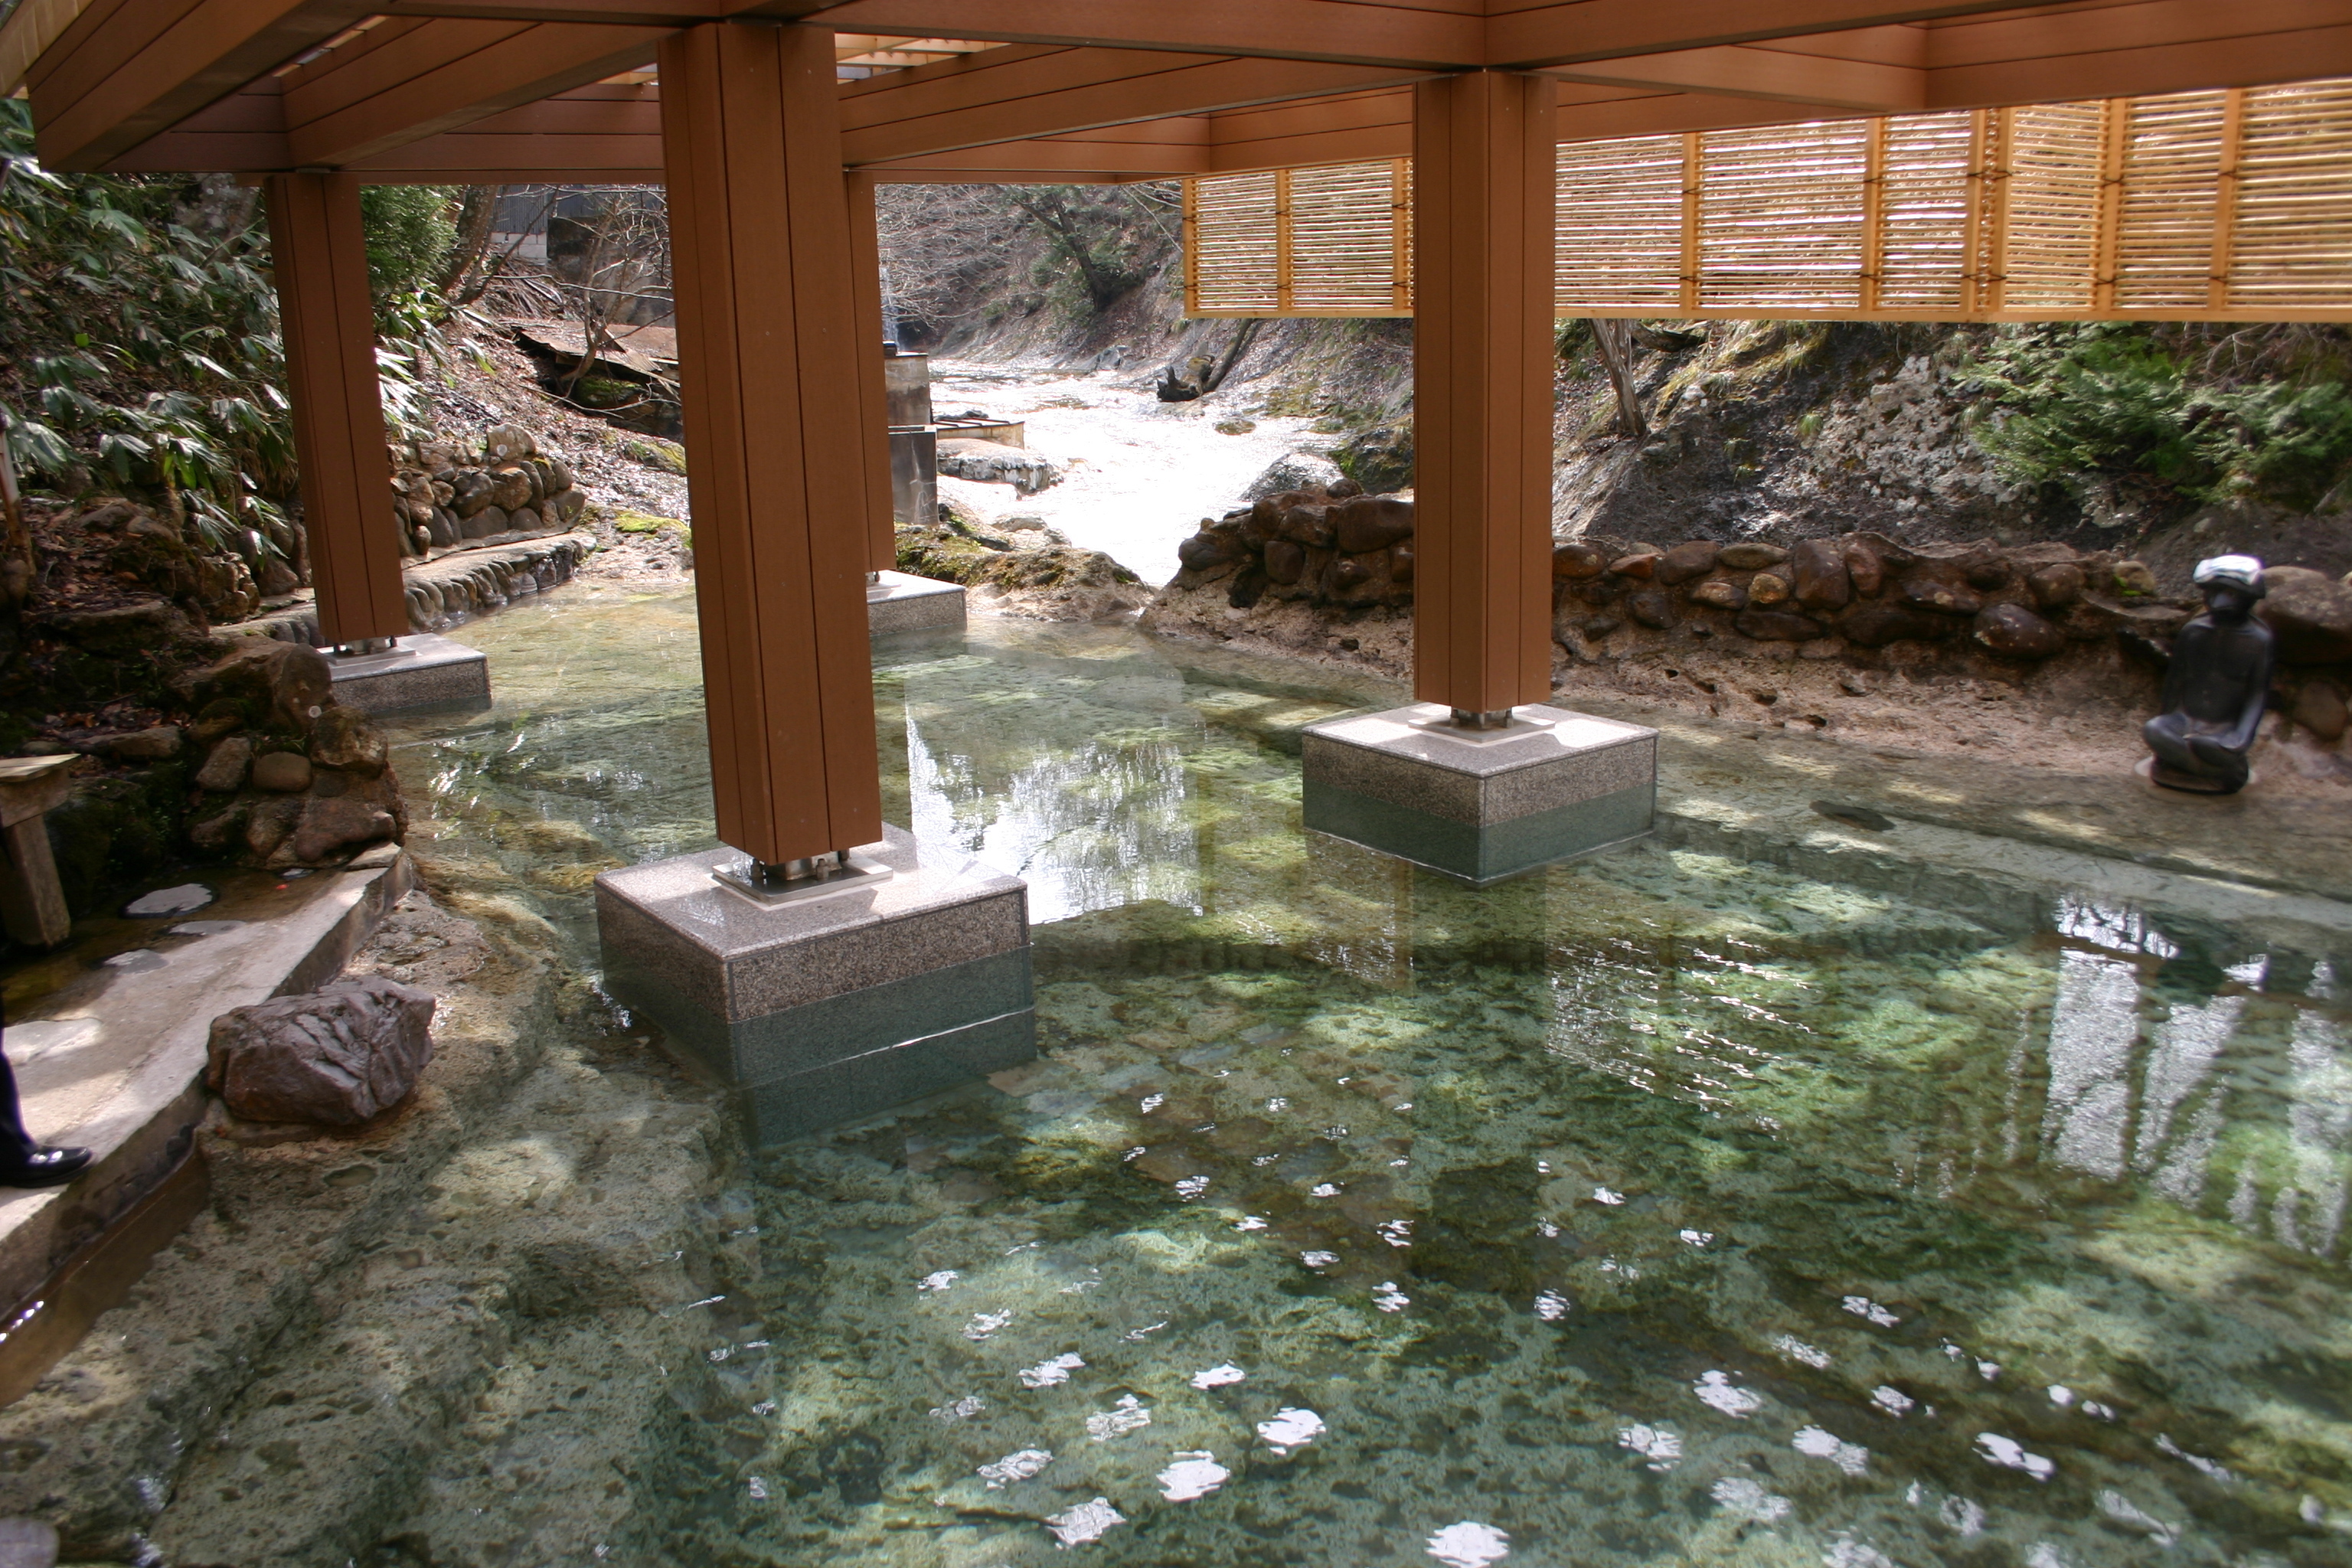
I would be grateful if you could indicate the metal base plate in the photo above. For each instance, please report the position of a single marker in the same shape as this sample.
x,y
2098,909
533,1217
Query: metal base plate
x,y
863,871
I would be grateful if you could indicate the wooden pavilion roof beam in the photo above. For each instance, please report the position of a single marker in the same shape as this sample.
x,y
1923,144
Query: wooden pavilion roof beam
x,y
123,72
408,81
1022,92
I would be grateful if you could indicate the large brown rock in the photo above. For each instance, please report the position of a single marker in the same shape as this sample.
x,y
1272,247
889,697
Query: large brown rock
x,y
1692,559
1578,561
151,744
342,822
1778,625
1752,556
1370,523
1206,551
1818,572
1943,597
2319,708
1721,593
283,685
2310,612
1875,625
1309,525
1285,561
469,492
1652,607
348,738
337,1057
282,772
2012,631
2056,586
224,769
1866,564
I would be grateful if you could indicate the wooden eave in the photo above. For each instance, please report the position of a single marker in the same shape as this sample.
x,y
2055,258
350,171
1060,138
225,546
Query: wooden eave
x,y
454,89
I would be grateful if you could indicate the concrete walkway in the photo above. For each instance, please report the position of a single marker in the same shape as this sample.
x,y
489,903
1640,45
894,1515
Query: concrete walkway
x,y
113,1057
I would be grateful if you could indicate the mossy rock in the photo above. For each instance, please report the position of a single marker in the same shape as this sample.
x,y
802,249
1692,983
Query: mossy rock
x,y
654,453
645,522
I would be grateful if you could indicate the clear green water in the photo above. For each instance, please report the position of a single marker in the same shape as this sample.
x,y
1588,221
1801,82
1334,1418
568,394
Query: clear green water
x,y
1657,1210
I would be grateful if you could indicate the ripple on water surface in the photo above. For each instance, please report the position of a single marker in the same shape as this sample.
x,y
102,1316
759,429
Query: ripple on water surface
x,y
1661,1209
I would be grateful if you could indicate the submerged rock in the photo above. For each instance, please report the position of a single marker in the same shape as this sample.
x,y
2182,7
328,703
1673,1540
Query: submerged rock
x,y
992,462
1295,471
337,1056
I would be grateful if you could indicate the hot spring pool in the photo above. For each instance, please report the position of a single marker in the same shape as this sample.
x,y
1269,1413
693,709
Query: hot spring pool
x,y
1659,1209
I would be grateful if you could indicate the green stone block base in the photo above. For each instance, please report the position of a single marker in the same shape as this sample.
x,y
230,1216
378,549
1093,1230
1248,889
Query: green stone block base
x,y
1482,855
832,1006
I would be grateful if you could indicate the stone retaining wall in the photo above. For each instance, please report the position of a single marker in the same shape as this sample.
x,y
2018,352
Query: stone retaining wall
x,y
452,588
448,496
1328,573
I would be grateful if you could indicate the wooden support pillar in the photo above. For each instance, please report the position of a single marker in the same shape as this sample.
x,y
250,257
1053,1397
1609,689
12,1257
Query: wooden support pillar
x,y
1483,220
319,253
866,239
772,346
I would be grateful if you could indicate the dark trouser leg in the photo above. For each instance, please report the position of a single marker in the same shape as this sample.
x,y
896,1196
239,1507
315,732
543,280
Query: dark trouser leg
x,y
16,1146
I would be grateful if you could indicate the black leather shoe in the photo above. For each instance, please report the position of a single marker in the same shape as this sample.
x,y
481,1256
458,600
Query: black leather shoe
x,y
46,1168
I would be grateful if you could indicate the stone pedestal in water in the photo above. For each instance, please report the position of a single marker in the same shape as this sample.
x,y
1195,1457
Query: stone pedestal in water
x,y
898,602
1480,805
834,1004
425,672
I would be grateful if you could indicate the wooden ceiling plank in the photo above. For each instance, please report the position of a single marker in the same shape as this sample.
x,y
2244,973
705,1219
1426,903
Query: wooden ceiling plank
x,y
2005,40
447,75
1002,76
159,77
1187,89
2255,61
1741,71
1428,33
1535,34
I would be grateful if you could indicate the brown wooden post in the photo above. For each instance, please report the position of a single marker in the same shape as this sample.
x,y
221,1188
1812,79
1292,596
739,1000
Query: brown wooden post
x,y
319,253
1483,221
770,343
865,238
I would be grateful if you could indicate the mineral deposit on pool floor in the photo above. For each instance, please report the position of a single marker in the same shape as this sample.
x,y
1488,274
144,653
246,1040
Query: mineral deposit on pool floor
x,y
1665,1209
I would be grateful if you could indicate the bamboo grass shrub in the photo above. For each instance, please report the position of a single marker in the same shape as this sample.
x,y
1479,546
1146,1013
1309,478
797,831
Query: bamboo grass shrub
x,y
139,340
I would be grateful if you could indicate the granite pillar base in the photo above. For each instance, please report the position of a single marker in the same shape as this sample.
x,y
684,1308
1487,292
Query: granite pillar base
x,y
1480,805
426,673
898,602
830,1005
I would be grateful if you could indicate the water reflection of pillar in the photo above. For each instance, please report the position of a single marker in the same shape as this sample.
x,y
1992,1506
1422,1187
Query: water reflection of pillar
x,y
1362,905
2094,1026
772,345
2319,1123
319,254
2182,1104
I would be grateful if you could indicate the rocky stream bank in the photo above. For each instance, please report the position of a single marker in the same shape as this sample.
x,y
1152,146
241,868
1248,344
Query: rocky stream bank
x,y
2036,649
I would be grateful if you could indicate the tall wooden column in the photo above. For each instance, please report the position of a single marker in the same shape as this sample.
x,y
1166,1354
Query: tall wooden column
x,y
319,253
1483,219
865,241
771,345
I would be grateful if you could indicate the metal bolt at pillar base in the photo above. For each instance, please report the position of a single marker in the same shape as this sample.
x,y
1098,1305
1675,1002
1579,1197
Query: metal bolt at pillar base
x,y
777,881
1470,719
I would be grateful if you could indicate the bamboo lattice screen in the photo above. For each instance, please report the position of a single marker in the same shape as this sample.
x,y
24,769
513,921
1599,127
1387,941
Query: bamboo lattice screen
x,y
2200,206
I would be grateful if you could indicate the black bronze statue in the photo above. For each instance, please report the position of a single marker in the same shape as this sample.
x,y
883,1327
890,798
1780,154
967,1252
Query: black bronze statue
x,y
2217,683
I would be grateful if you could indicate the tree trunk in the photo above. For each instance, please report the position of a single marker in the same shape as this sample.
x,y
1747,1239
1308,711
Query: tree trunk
x,y
1614,338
